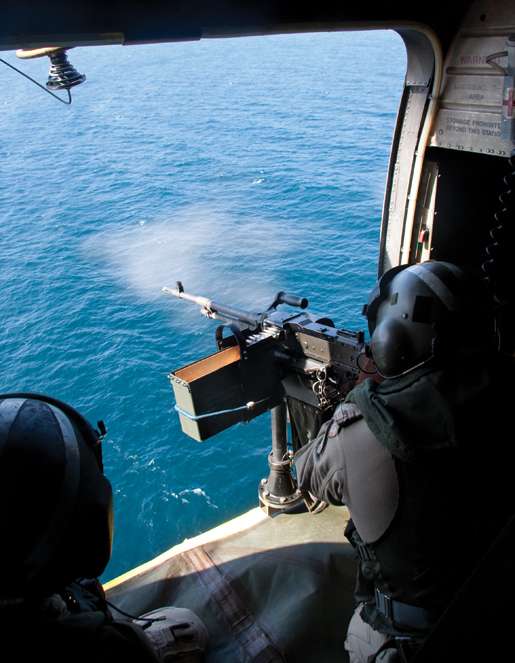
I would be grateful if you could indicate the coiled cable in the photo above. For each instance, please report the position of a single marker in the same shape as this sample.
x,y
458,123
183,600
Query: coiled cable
x,y
497,265
498,258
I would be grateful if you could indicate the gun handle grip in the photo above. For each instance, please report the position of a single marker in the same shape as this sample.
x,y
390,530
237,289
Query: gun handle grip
x,y
292,300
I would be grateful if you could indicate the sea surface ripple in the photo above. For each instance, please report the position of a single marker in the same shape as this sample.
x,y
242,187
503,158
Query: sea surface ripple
x,y
241,167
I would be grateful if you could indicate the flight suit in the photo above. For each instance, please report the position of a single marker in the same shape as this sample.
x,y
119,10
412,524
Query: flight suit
x,y
74,624
425,494
351,468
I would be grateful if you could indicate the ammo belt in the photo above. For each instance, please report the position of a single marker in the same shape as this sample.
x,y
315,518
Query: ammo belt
x,y
403,614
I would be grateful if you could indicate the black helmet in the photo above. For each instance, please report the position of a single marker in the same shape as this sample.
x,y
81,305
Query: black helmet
x,y
418,312
55,502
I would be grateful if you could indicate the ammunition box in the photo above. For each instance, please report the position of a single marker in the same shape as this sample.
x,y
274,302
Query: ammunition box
x,y
222,382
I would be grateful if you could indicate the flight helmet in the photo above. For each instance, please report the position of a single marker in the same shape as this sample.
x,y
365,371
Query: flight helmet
x,y
55,502
419,312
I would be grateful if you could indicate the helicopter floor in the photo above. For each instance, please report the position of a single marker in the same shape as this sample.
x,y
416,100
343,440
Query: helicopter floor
x,y
268,589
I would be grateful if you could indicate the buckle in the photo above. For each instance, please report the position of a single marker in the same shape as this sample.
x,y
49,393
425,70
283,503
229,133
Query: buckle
x,y
403,615
384,604
364,552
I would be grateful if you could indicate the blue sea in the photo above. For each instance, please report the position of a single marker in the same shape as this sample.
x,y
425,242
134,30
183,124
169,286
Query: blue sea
x,y
239,166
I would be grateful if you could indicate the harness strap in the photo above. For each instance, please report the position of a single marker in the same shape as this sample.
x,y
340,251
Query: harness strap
x,y
405,648
365,552
403,615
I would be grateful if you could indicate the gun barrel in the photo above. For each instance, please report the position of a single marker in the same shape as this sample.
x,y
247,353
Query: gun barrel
x,y
236,314
200,301
214,310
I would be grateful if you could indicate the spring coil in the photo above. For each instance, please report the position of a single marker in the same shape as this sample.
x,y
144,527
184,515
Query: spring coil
x,y
498,250
62,74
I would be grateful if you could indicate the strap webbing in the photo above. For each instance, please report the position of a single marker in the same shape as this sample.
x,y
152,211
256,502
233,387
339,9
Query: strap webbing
x,y
254,643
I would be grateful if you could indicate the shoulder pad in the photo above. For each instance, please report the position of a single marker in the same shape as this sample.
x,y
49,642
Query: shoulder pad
x,y
344,415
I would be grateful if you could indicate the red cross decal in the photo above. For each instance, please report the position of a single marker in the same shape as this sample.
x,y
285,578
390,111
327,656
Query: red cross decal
x,y
508,103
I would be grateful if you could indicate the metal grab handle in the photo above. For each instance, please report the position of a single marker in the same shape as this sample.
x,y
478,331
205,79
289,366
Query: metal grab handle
x,y
291,300
236,331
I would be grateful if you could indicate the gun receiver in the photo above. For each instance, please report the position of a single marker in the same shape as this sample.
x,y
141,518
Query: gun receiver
x,y
269,356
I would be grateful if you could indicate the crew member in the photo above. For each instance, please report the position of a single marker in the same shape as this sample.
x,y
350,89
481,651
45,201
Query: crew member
x,y
57,523
421,459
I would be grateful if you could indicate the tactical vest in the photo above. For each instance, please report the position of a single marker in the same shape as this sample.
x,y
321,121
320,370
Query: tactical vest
x,y
423,556
453,499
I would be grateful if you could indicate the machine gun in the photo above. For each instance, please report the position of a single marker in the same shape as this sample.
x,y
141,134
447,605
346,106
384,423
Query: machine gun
x,y
273,360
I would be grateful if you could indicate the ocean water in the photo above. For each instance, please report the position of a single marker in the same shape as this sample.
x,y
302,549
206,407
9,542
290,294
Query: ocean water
x,y
241,167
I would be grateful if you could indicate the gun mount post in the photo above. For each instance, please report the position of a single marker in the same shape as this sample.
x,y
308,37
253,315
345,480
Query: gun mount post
x,y
278,492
